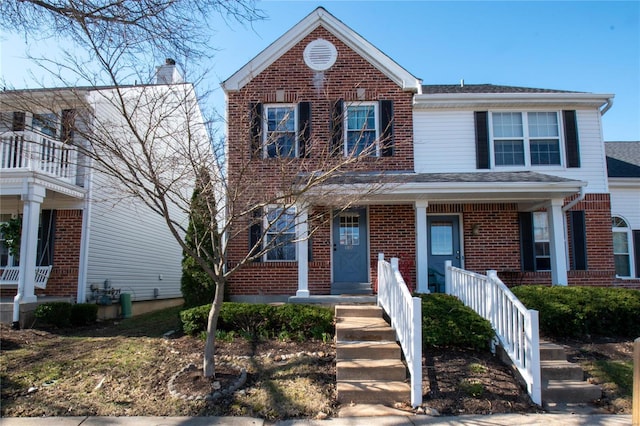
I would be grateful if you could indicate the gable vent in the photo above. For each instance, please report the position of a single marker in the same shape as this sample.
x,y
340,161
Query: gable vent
x,y
320,55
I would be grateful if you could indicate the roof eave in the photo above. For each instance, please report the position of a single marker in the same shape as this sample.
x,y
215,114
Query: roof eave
x,y
491,100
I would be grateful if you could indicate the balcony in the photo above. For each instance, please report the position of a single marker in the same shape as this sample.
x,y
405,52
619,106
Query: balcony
x,y
30,151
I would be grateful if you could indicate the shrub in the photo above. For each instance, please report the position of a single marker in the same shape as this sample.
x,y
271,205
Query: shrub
x,y
255,321
583,311
84,313
57,314
446,322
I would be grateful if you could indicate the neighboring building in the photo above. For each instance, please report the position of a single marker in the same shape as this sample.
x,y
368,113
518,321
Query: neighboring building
x,y
83,237
623,166
493,177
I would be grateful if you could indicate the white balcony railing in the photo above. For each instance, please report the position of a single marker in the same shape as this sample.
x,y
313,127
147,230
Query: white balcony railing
x,y
405,313
31,151
516,327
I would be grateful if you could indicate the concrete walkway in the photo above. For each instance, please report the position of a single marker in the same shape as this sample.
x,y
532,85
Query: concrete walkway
x,y
489,420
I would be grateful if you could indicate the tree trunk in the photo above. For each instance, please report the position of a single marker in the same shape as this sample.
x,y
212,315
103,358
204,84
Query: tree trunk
x,y
209,364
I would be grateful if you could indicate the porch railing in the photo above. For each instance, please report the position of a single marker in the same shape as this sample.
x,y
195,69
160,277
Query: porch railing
x,y
32,151
10,275
406,318
516,326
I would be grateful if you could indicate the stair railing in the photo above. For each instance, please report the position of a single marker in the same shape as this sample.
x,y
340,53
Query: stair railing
x,y
516,327
405,313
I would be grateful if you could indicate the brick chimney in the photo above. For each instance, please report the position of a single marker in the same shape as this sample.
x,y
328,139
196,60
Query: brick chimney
x,y
168,73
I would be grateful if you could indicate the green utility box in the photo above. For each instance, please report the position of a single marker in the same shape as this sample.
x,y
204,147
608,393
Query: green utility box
x,y
125,305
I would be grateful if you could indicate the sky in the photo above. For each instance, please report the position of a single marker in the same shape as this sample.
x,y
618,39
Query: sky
x,y
585,46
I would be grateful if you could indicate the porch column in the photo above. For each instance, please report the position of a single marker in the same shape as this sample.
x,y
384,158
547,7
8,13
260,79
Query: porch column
x,y
422,267
556,242
302,235
32,200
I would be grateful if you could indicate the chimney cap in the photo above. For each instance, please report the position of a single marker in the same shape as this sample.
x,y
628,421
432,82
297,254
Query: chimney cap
x,y
170,61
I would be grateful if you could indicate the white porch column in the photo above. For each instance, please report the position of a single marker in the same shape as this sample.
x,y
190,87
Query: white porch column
x,y
302,234
556,242
32,200
422,267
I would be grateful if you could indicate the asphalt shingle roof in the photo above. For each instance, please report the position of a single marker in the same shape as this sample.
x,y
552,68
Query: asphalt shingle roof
x,y
431,89
623,159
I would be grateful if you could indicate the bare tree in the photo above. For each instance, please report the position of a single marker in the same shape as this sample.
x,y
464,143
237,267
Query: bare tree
x,y
153,143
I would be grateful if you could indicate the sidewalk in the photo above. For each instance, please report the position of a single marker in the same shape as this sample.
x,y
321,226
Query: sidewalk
x,y
476,420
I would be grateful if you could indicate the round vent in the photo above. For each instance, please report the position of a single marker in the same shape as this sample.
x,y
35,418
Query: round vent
x,y
320,55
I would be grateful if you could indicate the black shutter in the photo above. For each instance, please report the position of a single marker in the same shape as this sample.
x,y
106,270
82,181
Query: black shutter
x,y
527,242
579,239
636,245
46,238
571,138
304,129
482,139
255,130
68,124
337,127
255,233
386,128
18,121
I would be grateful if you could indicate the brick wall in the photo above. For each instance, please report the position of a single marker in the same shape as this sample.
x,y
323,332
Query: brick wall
x,y
63,280
256,180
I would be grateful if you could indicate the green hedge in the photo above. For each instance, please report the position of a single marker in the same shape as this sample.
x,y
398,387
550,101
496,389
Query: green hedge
x,y
254,321
583,311
446,322
64,314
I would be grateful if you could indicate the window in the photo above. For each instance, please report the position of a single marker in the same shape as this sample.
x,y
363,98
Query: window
x,y
280,233
621,246
280,139
361,130
6,258
47,124
541,241
524,139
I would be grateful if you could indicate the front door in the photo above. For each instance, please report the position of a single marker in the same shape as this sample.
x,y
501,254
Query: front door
x,y
350,248
444,244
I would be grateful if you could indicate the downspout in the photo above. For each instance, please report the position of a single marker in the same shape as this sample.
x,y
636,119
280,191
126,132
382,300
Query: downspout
x,y
579,198
81,293
607,106
16,306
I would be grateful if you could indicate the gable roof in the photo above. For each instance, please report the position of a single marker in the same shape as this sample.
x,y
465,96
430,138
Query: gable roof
x,y
320,17
623,159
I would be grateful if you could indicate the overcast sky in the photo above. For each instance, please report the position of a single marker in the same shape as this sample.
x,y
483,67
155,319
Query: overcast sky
x,y
585,46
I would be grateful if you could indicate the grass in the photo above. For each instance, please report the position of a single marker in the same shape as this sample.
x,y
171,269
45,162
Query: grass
x,y
618,374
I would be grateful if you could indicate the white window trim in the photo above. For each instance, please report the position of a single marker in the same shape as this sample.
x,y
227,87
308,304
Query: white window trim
x,y
265,130
267,228
536,241
625,230
376,117
527,142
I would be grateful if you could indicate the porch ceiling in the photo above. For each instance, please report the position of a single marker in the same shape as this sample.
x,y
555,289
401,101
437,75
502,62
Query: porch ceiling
x,y
405,187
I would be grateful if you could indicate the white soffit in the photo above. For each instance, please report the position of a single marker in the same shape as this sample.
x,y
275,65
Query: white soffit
x,y
489,100
317,18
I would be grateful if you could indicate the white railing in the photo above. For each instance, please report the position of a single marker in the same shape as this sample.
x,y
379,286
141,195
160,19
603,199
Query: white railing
x,y
33,151
406,318
516,327
11,275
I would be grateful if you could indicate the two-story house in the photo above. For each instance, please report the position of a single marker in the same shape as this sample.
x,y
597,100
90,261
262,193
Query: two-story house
x,y
83,237
490,177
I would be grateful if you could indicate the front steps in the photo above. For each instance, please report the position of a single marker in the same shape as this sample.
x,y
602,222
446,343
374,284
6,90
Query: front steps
x,y
562,381
369,369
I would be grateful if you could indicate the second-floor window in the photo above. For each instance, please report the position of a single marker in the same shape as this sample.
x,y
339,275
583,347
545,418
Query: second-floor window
x,y
47,124
361,129
525,138
280,138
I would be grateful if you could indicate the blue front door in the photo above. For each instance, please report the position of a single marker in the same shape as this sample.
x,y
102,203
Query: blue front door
x,y
350,248
444,244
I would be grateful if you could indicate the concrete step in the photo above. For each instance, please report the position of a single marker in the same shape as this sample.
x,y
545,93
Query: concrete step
x,y
368,350
364,329
560,370
366,311
371,369
373,392
570,391
550,351
351,288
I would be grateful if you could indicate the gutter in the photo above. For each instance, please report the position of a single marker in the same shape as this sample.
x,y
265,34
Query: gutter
x,y
607,106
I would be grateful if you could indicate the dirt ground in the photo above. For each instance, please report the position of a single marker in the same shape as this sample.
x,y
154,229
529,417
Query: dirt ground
x,y
104,372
